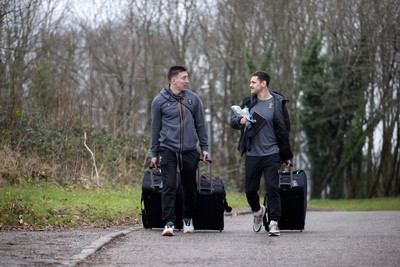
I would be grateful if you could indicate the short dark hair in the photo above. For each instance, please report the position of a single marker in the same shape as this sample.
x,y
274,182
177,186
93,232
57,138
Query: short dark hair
x,y
262,76
175,70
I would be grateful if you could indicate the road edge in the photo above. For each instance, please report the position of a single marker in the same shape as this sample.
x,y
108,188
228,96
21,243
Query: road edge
x,y
97,245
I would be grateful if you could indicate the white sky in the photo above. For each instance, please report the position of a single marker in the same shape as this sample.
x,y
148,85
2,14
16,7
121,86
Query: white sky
x,y
90,10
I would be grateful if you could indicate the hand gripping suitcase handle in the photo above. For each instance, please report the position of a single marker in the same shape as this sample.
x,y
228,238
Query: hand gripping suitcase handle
x,y
210,174
152,186
289,169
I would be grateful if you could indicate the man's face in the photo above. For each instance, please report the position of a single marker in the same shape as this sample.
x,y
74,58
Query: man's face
x,y
255,85
181,81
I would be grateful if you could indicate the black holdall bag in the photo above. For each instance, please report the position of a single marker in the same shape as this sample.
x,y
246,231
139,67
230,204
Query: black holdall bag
x,y
211,203
151,200
293,194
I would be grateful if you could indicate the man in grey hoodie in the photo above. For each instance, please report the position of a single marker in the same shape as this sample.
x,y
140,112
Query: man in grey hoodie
x,y
177,127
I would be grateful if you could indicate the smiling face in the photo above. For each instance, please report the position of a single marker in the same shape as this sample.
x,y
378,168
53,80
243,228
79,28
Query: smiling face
x,y
180,82
256,86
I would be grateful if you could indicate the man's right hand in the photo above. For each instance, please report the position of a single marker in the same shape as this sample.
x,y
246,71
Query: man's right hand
x,y
154,162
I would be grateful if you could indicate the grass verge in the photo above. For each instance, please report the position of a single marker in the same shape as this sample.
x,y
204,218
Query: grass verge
x,y
373,204
39,206
51,206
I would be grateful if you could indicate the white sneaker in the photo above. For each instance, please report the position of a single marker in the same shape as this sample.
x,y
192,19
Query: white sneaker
x,y
188,226
274,229
168,229
258,219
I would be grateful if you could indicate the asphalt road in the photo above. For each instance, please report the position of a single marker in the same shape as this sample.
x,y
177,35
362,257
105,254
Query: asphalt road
x,y
54,247
330,239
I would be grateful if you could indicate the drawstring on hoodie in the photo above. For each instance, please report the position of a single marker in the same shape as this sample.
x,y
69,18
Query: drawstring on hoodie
x,y
180,161
182,115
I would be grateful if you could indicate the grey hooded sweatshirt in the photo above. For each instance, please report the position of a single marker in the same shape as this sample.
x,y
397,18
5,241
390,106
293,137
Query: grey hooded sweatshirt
x,y
177,122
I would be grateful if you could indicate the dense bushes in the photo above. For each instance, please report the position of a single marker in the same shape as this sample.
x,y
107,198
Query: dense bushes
x,y
34,149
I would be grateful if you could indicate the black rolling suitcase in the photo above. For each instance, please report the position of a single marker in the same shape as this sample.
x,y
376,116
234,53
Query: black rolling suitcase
x,y
211,203
151,201
293,193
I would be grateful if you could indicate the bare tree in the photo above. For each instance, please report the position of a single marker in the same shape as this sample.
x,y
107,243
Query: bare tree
x,y
17,24
104,70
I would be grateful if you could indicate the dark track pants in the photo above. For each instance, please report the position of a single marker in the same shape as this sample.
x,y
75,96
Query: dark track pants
x,y
269,165
187,162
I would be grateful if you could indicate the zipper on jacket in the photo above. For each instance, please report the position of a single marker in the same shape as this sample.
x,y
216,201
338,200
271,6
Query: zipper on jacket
x,y
181,121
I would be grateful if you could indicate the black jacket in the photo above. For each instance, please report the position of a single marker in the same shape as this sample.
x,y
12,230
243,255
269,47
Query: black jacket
x,y
281,125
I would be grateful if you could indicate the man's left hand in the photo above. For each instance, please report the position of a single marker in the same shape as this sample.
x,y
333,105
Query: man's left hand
x,y
286,164
206,156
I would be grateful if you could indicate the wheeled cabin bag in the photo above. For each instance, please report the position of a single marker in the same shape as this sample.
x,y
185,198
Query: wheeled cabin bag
x,y
293,194
151,200
211,203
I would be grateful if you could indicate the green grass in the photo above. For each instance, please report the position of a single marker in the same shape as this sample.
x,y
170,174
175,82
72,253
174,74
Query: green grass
x,y
56,206
42,205
236,200
374,204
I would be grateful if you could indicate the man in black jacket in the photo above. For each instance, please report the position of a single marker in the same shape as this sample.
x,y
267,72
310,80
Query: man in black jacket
x,y
266,145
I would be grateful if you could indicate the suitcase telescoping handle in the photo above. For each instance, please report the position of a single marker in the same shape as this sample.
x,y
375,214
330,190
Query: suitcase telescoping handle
x,y
152,186
210,174
288,169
